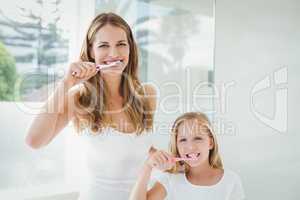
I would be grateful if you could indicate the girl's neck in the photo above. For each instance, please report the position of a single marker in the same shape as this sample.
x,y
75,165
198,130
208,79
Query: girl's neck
x,y
200,170
204,175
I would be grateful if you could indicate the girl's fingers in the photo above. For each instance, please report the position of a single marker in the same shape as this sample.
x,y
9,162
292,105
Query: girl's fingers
x,y
164,158
156,160
170,157
167,156
161,160
168,164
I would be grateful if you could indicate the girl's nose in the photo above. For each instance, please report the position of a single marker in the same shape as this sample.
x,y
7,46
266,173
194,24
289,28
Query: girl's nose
x,y
191,146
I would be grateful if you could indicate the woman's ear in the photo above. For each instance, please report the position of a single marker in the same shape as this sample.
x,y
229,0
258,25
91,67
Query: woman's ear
x,y
211,143
91,52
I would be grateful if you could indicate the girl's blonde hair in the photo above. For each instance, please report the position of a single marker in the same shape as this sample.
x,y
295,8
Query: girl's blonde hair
x,y
91,100
214,156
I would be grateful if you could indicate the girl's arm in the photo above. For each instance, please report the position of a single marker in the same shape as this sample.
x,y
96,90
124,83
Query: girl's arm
x,y
139,191
160,160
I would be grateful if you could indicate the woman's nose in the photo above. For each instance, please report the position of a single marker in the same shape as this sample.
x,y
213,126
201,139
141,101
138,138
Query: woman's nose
x,y
113,52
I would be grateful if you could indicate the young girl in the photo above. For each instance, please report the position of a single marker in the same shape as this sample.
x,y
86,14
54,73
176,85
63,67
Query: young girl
x,y
194,167
109,104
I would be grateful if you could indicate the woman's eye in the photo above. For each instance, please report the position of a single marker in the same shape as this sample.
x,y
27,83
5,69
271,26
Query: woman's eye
x,y
122,44
103,46
198,138
182,140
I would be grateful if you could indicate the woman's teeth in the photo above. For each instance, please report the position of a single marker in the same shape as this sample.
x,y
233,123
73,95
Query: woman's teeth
x,y
112,62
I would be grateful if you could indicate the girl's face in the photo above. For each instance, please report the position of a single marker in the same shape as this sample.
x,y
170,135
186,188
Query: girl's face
x,y
110,44
193,141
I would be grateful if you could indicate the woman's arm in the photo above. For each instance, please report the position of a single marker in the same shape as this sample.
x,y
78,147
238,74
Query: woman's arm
x,y
59,108
55,117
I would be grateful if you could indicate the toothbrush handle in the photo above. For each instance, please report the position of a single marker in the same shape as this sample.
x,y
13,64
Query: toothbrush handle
x,y
181,159
177,159
107,66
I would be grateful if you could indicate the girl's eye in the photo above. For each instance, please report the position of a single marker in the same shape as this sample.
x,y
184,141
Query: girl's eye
x,y
182,140
198,138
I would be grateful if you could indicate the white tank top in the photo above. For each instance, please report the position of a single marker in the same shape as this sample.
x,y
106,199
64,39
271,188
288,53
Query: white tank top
x,y
113,161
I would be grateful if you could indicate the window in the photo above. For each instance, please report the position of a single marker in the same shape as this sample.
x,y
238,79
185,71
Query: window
x,y
176,46
34,51
38,38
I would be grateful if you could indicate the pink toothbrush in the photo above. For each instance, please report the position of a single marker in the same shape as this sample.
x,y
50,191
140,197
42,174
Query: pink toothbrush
x,y
183,159
103,66
108,65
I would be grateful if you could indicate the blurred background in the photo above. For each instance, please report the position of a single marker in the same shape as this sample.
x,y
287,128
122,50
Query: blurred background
x,y
235,61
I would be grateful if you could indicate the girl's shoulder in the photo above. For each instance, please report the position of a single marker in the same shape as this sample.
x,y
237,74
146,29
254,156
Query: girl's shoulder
x,y
231,176
170,178
230,173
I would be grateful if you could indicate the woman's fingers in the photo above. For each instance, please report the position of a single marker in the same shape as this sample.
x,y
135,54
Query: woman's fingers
x,y
76,72
91,67
85,73
84,70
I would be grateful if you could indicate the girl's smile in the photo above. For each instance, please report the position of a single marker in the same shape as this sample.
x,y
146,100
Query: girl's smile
x,y
193,143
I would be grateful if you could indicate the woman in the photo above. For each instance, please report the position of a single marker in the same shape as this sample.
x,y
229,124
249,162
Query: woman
x,y
108,104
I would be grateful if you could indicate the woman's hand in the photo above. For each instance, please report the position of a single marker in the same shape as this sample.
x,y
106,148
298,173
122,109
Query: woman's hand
x,y
160,160
80,71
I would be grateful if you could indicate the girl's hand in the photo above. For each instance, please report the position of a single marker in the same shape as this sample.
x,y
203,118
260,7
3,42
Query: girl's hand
x,y
80,71
160,160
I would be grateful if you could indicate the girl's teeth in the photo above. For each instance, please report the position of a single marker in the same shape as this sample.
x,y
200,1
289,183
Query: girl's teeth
x,y
192,155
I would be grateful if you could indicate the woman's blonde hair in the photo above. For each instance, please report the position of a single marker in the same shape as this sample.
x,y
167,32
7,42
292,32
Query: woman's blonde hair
x,y
91,100
214,156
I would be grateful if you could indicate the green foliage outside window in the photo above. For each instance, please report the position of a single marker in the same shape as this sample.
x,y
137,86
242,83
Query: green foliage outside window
x,y
8,74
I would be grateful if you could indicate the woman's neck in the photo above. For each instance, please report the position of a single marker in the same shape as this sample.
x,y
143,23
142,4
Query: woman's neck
x,y
113,85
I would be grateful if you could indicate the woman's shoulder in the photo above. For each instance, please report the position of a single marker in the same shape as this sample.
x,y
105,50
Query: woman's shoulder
x,y
149,88
150,94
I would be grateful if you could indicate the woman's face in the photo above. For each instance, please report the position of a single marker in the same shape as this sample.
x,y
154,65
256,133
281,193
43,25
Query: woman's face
x,y
110,44
193,141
